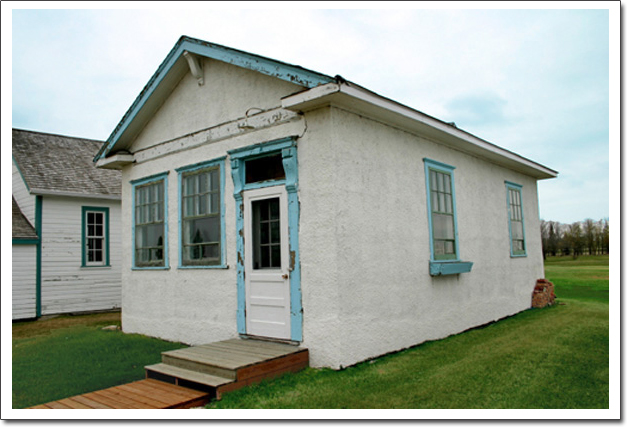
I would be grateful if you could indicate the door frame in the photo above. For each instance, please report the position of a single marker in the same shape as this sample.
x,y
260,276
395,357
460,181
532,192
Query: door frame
x,y
238,158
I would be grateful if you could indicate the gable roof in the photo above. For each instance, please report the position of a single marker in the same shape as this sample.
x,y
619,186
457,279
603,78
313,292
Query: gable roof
x,y
175,66
21,228
62,165
320,90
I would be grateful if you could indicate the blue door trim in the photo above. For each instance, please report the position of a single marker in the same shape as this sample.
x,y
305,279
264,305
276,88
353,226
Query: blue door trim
x,y
287,148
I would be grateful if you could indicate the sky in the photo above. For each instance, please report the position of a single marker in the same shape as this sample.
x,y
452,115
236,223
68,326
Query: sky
x,y
534,81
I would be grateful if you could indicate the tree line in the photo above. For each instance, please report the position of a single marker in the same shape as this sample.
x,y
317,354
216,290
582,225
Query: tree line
x,y
586,237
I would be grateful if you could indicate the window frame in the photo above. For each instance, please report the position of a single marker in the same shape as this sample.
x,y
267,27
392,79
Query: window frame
x,y
441,266
218,163
432,165
513,187
144,182
85,210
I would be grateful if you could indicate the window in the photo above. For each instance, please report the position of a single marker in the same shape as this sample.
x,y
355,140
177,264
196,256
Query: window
x,y
150,222
443,234
266,234
516,223
441,202
95,236
202,215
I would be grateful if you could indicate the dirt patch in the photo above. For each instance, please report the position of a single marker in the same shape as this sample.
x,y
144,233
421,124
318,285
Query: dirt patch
x,y
44,325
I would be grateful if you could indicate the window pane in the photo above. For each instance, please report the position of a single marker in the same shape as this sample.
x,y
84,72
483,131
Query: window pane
x,y
265,169
275,233
276,256
443,227
447,184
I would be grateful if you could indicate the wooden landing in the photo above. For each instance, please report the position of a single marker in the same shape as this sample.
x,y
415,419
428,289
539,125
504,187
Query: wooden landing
x,y
143,394
224,366
193,376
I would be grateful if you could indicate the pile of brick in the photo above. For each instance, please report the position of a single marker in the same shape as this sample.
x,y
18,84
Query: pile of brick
x,y
543,294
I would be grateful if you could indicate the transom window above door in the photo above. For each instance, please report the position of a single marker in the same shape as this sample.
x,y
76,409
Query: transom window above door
x,y
267,168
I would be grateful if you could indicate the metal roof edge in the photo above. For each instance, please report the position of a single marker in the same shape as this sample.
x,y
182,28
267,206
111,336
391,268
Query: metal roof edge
x,y
332,92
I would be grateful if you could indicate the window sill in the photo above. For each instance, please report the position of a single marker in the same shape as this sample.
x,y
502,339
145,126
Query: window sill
x,y
203,267
149,268
524,255
443,268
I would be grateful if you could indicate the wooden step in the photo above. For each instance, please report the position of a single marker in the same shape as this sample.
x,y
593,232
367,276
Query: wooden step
x,y
196,361
227,365
185,374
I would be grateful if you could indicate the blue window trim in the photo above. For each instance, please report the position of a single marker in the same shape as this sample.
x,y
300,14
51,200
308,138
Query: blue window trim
x,y
84,211
517,187
449,266
220,162
147,180
287,148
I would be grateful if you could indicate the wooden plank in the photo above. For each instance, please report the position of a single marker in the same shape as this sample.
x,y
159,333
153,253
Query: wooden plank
x,y
265,345
277,373
188,375
249,349
90,402
140,398
42,406
175,389
207,366
121,400
219,357
274,365
166,397
73,404
57,405
104,400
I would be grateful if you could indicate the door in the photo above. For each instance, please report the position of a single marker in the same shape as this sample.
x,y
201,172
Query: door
x,y
266,262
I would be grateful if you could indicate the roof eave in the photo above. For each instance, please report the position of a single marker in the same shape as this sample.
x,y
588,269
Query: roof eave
x,y
44,192
359,100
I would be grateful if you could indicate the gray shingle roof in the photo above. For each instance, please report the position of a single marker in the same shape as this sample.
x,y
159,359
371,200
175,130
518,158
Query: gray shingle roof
x,y
21,228
62,164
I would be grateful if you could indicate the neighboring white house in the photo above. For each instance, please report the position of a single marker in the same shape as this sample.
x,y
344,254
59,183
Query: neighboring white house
x,y
263,199
66,234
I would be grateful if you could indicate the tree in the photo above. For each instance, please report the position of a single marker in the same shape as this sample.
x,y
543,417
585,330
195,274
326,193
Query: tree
x,y
590,235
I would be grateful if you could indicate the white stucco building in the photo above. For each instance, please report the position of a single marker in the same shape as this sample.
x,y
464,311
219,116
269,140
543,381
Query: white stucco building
x,y
66,233
263,199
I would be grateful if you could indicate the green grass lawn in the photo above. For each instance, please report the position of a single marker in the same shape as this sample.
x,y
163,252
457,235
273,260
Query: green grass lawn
x,y
69,355
556,357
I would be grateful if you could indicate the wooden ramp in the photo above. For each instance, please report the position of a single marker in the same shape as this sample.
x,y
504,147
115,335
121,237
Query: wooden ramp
x,y
144,394
228,365
194,376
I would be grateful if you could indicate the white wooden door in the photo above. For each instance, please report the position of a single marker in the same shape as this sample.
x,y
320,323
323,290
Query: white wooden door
x,y
266,263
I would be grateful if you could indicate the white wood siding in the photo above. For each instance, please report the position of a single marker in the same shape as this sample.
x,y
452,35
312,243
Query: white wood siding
x,y
67,286
24,281
24,199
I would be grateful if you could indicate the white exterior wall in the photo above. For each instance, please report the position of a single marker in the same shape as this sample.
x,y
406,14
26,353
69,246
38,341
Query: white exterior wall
x,y
24,199
364,238
24,281
66,286
384,298
194,306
